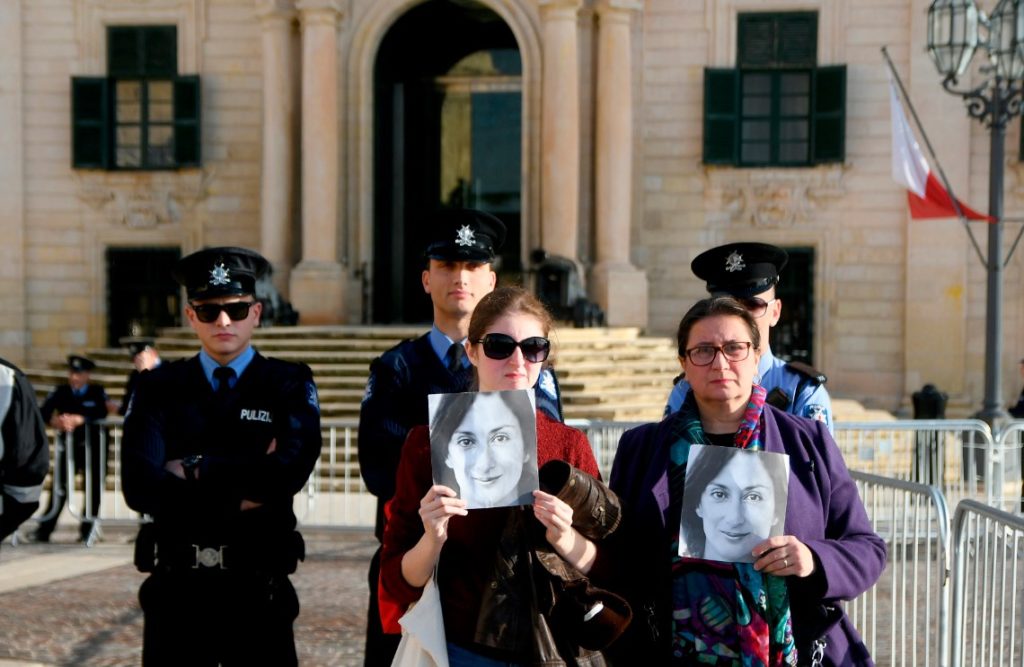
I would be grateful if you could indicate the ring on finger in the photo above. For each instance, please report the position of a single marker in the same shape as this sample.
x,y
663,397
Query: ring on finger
x,y
785,562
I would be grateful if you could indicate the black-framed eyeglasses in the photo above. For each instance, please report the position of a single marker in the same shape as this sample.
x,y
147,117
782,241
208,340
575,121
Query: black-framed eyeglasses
x,y
756,306
704,355
502,346
209,312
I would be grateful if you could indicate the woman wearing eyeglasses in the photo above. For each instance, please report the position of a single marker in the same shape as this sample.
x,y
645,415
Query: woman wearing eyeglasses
x,y
430,526
781,609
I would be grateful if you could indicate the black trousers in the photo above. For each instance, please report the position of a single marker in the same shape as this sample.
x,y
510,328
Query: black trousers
x,y
98,477
206,618
380,647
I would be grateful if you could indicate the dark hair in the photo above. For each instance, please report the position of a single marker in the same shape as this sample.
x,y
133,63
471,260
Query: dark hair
x,y
712,307
504,301
699,474
452,410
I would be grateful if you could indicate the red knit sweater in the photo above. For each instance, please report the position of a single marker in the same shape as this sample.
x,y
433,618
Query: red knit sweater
x,y
468,555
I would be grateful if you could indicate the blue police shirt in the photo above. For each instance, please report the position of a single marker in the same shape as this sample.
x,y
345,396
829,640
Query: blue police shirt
x,y
441,344
238,365
813,401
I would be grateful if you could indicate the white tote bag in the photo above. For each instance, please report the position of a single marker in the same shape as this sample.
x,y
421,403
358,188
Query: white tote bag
x,y
423,643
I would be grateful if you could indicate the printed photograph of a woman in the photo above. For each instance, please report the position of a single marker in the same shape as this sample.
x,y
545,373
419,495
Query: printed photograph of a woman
x,y
733,500
484,445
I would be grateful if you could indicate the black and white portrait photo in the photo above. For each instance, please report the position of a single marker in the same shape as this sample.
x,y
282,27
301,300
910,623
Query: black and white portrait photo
x,y
484,446
733,499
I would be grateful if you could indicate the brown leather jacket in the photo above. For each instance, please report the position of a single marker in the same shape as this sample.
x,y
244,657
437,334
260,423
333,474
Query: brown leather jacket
x,y
539,606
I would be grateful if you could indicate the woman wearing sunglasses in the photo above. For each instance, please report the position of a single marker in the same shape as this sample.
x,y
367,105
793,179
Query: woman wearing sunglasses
x,y
782,608
429,526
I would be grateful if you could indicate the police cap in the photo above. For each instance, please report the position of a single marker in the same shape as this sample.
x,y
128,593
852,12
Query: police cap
x,y
740,269
216,272
136,345
79,364
464,234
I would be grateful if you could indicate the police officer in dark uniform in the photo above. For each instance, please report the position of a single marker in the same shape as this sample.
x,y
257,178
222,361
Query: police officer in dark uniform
x,y
749,273
24,449
459,272
215,448
73,409
145,358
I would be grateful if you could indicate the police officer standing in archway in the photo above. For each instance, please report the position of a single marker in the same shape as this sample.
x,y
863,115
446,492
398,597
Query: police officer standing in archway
x,y
749,272
215,448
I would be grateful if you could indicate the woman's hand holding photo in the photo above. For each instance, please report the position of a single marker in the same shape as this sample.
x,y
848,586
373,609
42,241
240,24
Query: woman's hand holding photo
x,y
438,506
784,556
556,517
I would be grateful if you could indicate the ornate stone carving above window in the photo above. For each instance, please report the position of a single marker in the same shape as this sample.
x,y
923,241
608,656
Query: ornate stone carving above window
x,y
770,198
142,201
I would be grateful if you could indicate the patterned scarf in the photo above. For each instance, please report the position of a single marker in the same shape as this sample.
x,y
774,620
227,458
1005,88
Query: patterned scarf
x,y
723,613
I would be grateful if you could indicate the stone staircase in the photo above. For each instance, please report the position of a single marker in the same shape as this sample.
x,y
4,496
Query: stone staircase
x,y
604,373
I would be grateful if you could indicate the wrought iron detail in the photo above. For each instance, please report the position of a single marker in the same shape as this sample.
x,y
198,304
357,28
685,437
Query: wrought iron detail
x,y
995,102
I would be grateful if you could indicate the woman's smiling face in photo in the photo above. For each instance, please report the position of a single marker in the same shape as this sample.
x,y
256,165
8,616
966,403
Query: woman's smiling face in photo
x,y
487,452
738,509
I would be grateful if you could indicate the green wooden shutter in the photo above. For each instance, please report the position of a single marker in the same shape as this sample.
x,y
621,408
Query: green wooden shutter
x,y
160,51
721,116
777,39
187,140
90,122
755,44
797,39
828,120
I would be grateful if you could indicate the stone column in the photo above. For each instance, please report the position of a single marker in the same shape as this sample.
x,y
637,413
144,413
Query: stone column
x,y
560,128
277,177
618,286
316,283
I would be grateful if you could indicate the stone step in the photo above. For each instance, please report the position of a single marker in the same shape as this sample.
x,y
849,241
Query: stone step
x,y
625,395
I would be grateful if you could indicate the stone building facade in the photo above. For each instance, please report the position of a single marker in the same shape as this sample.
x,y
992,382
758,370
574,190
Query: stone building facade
x,y
581,121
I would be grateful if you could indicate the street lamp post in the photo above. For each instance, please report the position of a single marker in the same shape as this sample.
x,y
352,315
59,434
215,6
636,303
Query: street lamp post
x,y
957,30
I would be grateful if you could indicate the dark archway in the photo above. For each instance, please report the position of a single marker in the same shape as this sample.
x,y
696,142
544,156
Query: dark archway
x,y
448,132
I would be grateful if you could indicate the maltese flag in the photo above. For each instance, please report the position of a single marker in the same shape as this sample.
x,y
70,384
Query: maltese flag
x,y
927,197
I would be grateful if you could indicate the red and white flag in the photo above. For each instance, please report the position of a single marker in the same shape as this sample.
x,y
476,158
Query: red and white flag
x,y
927,197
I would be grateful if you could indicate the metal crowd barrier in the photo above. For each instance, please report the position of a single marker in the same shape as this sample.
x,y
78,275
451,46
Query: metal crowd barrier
x,y
988,587
904,618
961,457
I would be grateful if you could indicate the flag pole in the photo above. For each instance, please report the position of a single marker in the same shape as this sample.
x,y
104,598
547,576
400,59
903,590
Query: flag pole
x,y
931,151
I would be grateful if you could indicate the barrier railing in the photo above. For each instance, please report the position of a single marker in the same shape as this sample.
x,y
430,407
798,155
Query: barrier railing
x,y
988,587
961,457
904,617
1010,462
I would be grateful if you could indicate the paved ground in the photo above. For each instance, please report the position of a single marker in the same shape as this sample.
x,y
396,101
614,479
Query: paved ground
x,y
64,604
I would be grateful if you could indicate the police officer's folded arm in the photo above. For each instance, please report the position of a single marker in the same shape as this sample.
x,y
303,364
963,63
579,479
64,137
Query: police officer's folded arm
x,y
283,469
147,484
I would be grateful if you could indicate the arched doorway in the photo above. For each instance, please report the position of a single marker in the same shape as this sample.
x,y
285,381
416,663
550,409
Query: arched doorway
x,y
448,132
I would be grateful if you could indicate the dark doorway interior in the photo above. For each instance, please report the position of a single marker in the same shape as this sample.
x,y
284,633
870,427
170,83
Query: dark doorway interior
x,y
141,295
448,128
793,336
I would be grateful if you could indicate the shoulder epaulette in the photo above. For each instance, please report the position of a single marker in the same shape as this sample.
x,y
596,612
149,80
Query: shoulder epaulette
x,y
808,371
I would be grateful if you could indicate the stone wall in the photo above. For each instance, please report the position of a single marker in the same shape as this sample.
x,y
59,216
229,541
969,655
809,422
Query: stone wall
x,y
899,303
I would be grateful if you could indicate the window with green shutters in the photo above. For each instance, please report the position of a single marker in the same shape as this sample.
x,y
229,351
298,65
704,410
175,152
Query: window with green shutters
x,y
777,107
143,114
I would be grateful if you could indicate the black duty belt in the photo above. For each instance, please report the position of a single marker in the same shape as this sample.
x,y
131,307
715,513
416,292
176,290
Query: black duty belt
x,y
207,558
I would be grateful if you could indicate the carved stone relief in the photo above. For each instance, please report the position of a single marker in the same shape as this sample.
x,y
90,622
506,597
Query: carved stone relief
x,y
141,201
771,199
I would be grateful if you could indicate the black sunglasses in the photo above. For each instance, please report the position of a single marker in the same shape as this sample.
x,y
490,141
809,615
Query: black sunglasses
x,y
502,346
209,312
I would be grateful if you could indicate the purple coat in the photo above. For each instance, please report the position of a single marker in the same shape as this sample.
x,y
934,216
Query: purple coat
x,y
824,511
